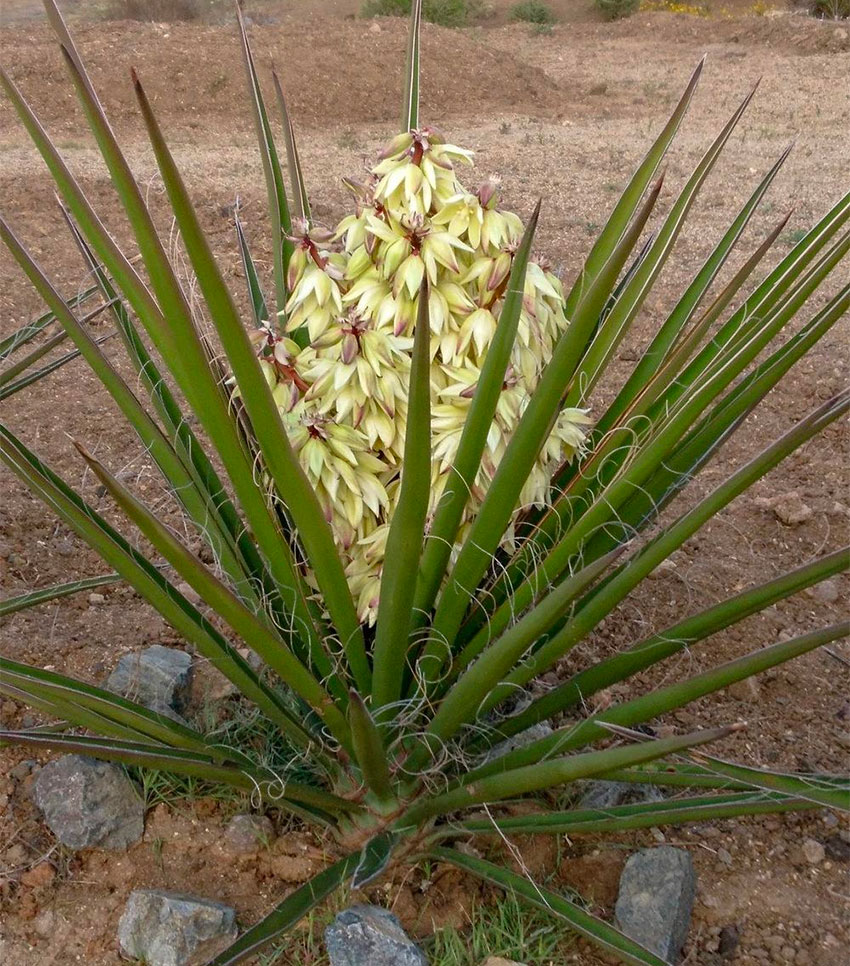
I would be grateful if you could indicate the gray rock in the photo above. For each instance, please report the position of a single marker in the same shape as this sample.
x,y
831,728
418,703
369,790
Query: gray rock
x,y
89,803
170,929
604,794
534,733
22,769
157,677
370,936
657,890
248,833
813,852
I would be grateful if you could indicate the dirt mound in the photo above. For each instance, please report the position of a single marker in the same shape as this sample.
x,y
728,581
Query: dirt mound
x,y
791,32
335,72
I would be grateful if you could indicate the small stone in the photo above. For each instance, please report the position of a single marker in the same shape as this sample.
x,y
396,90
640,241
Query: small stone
x,y
157,677
843,739
95,599
840,34
45,923
210,685
248,833
746,690
837,848
370,936
827,591
724,856
22,769
541,730
39,876
374,28
664,569
730,937
788,508
605,794
813,852
171,929
657,890
89,803
803,958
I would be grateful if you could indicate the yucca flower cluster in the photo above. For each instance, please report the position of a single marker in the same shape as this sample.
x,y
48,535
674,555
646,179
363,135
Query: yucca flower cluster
x,y
354,292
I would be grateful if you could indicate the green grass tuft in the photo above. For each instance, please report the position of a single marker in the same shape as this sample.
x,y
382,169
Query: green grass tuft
x,y
446,13
533,11
617,9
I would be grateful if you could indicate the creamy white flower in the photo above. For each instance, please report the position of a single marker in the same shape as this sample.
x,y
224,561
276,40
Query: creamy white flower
x,y
353,301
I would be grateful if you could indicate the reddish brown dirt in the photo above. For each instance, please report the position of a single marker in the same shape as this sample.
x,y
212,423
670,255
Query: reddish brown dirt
x,y
567,116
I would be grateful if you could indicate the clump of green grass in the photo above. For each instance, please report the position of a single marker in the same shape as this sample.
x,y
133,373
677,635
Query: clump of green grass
x,y
617,9
446,13
533,11
794,237
830,9
506,929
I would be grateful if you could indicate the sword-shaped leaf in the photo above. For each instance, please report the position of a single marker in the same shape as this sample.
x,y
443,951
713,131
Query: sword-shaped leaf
x,y
140,573
255,632
293,161
448,514
834,793
374,859
203,496
293,908
27,332
177,341
369,748
621,818
255,291
599,932
410,104
407,529
291,483
692,630
246,777
646,707
11,605
621,216
508,783
278,206
664,339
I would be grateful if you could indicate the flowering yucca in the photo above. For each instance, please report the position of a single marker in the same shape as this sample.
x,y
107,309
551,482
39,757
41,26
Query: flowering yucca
x,y
344,395
413,503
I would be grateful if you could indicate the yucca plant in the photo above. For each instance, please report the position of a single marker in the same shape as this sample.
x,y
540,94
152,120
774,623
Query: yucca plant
x,y
414,503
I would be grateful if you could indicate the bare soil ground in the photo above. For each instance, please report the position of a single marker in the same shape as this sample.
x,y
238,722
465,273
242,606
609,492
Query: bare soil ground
x,y
566,116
